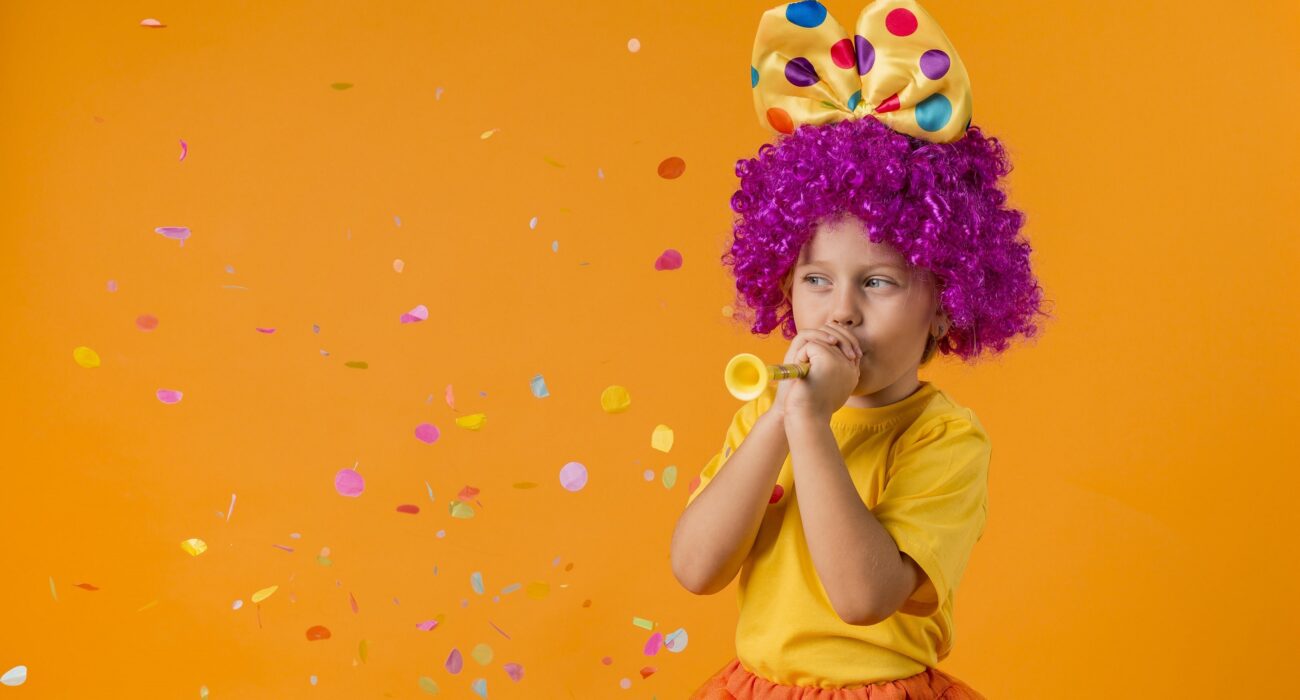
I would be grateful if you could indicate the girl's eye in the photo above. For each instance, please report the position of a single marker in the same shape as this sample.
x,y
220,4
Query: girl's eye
x,y
810,278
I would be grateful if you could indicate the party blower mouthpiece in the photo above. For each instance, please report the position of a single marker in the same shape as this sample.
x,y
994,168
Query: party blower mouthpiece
x,y
747,375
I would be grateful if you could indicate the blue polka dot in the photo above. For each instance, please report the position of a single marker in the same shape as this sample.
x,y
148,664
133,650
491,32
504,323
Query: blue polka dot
x,y
753,77
808,13
854,99
933,113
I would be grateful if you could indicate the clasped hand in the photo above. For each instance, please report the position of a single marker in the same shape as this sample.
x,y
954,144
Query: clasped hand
x,y
833,355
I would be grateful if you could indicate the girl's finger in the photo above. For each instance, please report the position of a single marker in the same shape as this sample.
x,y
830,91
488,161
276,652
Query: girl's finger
x,y
848,339
832,338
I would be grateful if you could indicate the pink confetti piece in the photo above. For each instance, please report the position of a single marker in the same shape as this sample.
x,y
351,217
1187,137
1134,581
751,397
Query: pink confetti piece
x,y
450,397
427,433
515,671
169,396
112,285
498,629
573,476
426,626
152,23
176,233
352,600
280,546
264,330
231,509
454,662
349,483
652,645
146,322
669,260
419,313
184,149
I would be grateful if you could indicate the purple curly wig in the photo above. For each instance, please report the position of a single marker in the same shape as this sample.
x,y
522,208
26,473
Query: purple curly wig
x,y
938,204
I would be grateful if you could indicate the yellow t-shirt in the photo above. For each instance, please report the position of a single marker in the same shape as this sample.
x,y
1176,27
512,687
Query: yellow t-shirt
x,y
921,466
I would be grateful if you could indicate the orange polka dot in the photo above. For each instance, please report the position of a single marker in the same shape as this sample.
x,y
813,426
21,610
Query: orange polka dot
x,y
780,120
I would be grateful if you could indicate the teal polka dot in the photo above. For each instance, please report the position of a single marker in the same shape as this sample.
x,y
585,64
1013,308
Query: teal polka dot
x,y
854,99
933,113
808,13
753,77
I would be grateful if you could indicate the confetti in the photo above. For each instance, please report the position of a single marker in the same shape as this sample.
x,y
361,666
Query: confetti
x,y
467,494
194,546
647,671
454,662
398,265
552,161
633,44
112,285
356,364
340,86
662,438
450,397
460,510
515,671
669,260
555,246
169,396
178,233
672,168
488,134
427,433
476,582
203,692
152,23
538,386
408,508
185,149
573,476
349,483
14,676
428,686
615,399
317,632
268,331
53,593
231,509
643,623
482,653
263,594
437,94
86,586
479,686
146,322
532,223
538,590
676,642
426,626
85,357
430,489
670,476
475,421
237,605
363,650
419,313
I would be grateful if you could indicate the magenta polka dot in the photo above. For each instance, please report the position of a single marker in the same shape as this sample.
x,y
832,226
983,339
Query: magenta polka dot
x,y
934,64
900,22
842,54
800,72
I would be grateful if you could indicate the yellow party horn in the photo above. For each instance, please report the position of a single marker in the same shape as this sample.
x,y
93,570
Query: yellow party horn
x,y
747,375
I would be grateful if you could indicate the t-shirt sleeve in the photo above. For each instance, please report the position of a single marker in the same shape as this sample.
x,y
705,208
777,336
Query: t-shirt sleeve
x,y
935,503
741,423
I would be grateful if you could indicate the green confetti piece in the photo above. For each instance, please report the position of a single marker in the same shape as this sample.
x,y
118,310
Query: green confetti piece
x,y
428,686
643,623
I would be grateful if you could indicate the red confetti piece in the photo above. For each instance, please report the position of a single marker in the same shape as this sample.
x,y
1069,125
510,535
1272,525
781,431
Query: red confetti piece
x,y
87,586
467,494
672,168
317,632
353,601
408,508
648,671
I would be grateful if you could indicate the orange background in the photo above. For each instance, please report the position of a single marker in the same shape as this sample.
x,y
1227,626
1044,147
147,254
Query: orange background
x,y
1141,508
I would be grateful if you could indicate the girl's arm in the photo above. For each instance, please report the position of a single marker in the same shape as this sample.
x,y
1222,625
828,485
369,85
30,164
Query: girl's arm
x,y
714,534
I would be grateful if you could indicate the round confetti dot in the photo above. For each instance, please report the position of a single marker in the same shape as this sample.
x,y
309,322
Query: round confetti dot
x,y
933,113
482,653
615,399
85,357
317,633
169,395
934,64
633,45
398,265
753,77
780,120
573,476
625,684
427,433
668,260
648,475
900,22
800,72
146,322
607,661
672,168
728,311
112,285
349,483
808,13
866,54
842,54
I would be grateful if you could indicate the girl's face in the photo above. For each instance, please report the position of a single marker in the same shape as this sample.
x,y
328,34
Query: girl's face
x,y
843,278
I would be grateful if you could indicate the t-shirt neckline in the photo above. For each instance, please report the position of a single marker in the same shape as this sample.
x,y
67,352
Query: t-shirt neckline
x,y
883,416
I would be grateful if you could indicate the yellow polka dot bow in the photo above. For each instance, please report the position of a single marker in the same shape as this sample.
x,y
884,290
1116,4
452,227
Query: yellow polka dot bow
x,y
898,67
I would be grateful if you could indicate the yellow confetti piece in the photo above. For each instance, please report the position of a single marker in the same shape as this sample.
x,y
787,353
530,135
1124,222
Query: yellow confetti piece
x,y
662,439
488,134
363,650
194,546
472,422
85,357
482,653
538,590
461,510
264,593
428,686
615,399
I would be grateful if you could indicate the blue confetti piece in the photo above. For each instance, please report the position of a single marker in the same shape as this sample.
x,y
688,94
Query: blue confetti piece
x,y
539,387
480,687
476,582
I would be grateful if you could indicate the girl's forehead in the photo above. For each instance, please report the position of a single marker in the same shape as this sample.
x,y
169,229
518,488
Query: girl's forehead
x,y
847,244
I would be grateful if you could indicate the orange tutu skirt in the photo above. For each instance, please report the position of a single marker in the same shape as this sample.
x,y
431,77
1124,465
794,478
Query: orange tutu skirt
x,y
734,682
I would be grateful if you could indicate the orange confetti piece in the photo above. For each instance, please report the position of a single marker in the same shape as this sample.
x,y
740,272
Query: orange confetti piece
x,y
317,632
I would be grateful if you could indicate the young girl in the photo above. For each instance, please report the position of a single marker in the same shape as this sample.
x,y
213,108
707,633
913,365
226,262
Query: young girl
x,y
874,232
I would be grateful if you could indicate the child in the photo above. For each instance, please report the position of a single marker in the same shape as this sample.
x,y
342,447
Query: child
x,y
875,234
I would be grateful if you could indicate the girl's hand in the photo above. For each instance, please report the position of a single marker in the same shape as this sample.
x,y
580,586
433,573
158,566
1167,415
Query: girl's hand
x,y
837,349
